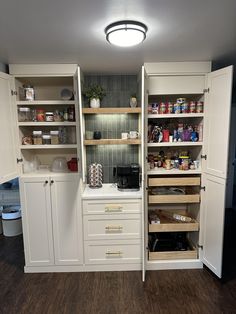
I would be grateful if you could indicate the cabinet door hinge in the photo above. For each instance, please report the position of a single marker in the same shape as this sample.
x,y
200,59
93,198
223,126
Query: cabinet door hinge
x,y
19,160
200,246
204,157
206,90
203,188
13,92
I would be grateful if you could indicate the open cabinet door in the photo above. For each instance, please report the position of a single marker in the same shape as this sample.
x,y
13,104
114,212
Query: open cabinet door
x,y
8,163
143,96
80,135
217,111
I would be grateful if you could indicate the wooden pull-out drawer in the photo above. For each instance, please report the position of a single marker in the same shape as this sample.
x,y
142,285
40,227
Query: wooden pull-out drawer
x,y
189,254
111,206
125,227
187,198
174,181
113,252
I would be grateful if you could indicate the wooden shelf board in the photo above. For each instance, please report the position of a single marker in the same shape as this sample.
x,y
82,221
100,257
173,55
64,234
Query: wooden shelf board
x,y
45,102
175,181
167,225
180,115
112,142
162,144
171,255
167,199
111,110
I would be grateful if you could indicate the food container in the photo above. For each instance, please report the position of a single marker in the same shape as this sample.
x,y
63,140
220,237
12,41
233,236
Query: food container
x,y
26,92
54,137
49,117
192,107
199,107
184,107
37,138
40,115
27,140
170,107
73,164
11,221
71,113
24,114
155,108
162,108
46,139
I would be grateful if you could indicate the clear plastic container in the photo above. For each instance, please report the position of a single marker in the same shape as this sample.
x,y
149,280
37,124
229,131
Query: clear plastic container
x,y
37,138
54,137
46,139
24,114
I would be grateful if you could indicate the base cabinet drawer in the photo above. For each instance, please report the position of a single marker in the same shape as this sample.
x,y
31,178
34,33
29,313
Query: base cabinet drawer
x,y
112,227
113,252
111,207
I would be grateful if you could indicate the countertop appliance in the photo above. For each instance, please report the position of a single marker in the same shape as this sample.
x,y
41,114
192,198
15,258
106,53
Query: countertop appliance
x,y
127,177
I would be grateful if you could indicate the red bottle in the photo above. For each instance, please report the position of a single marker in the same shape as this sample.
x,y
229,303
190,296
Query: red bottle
x,y
166,134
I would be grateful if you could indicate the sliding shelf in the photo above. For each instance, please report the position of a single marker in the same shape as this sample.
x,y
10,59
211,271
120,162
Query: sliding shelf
x,y
174,144
170,198
113,142
163,171
48,146
171,255
167,226
180,115
45,102
111,110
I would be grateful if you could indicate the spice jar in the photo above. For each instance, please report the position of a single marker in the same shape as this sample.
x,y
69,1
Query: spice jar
x,y
24,114
49,116
37,137
40,115
46,139
54,137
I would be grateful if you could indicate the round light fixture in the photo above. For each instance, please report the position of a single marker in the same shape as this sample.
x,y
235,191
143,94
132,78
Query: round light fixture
x,y
126,33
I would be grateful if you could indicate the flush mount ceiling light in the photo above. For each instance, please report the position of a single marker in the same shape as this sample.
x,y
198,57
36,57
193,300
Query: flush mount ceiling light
x,y
126,33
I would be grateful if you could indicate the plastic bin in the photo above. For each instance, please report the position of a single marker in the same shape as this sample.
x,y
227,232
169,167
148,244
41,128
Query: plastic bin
x,y
11,221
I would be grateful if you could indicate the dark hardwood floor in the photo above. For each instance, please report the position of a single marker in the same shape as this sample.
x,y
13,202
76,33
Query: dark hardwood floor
x,y
175,291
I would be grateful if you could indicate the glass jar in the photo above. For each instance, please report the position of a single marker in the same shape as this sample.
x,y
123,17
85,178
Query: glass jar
x,y
54,137
24,114
37,138
27,92
46,139
71,113
40,115
49,117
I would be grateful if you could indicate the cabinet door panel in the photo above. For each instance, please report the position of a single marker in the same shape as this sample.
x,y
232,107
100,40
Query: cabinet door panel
x,y
8,165
67,229
212,221
217,112
37,221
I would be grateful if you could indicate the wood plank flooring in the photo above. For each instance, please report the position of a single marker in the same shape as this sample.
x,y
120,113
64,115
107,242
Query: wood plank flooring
x,y
164,292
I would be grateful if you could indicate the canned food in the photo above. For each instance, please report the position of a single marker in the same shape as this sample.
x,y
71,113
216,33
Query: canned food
x,y
40,115
192,107
155,108
170,108
162,108
184,107
49,117
177,108
199,108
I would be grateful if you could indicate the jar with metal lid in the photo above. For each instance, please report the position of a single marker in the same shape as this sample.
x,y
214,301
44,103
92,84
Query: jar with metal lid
x,y
54,137
37,138
49,117
24,114
46,139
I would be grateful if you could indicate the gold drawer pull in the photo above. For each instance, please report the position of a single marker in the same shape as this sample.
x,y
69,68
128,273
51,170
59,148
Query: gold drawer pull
x,y
113,208
113,228
114,253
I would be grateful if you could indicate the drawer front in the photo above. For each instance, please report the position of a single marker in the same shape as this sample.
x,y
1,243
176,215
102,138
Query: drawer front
x,y
155,199
177,181
111,207
115,227
112,252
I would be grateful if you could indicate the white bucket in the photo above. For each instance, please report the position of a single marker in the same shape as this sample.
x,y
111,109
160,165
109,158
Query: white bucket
x,y
11,221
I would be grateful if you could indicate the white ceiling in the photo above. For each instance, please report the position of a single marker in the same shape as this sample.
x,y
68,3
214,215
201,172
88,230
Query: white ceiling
x,y
72,31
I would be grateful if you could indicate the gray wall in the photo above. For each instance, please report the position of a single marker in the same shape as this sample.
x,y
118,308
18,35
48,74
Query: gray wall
x,y
118,91
3,67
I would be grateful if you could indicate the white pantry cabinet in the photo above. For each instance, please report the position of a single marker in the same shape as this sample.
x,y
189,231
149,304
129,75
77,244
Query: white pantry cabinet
x,y
165,82
52,220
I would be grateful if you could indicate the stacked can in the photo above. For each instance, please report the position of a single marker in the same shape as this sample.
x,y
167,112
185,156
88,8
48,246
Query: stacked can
x,y
95,175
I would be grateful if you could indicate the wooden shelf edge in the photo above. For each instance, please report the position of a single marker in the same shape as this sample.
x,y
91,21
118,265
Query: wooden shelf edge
x,y
112,142
174,227
44,102
171,255
111,110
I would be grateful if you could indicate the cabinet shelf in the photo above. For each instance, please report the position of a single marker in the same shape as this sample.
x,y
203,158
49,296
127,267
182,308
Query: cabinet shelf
x,y
168,199
29,147
65,123
113,142
171,255
166,144
111,110
45,102
163,171
180,115
167,225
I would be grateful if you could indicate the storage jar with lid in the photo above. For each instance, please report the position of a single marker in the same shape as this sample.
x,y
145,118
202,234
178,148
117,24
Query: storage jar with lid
x,y
27,92
37,138
49,117
54,137
24,114
46,139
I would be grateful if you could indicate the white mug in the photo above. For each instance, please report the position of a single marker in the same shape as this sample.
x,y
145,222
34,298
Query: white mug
x,y
133,134
124,136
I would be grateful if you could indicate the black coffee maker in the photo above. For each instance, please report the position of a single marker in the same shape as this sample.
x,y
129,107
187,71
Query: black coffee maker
x,y
127,177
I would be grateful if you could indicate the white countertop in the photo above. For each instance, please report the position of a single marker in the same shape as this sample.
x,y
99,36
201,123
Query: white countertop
x,y
109,191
